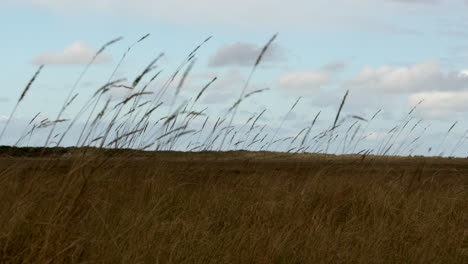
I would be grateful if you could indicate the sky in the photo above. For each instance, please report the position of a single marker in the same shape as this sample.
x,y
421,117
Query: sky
x,y
389,55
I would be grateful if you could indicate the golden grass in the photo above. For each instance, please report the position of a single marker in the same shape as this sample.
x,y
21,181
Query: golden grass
x,y
232,207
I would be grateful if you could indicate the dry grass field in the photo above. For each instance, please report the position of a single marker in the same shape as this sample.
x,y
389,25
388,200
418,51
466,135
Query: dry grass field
x,y
90,206
124,195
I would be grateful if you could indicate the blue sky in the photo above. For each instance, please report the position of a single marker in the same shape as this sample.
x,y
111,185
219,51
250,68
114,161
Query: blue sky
x,y
389,54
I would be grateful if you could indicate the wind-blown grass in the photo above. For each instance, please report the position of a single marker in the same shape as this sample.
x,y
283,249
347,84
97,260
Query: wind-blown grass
x,y
140,109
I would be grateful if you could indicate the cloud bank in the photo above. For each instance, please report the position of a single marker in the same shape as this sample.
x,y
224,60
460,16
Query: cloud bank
x,y
75,54
440,104
304,83
244,54
259,13
426,76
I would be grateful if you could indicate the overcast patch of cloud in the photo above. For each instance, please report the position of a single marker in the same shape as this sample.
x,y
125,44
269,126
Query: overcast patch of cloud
x,y
3,99
258,14
244,54
4,117
304,83
75,54
426,76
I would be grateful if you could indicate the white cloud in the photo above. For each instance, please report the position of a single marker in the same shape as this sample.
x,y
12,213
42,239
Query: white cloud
x,y
244,54
76,53
304,83
440,104
464,72
3,117
416,78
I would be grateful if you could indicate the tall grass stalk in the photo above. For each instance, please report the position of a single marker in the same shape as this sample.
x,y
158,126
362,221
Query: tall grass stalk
x,y
23,94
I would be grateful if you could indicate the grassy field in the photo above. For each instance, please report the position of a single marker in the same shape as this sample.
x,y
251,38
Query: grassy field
x,y
91,206
124,195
